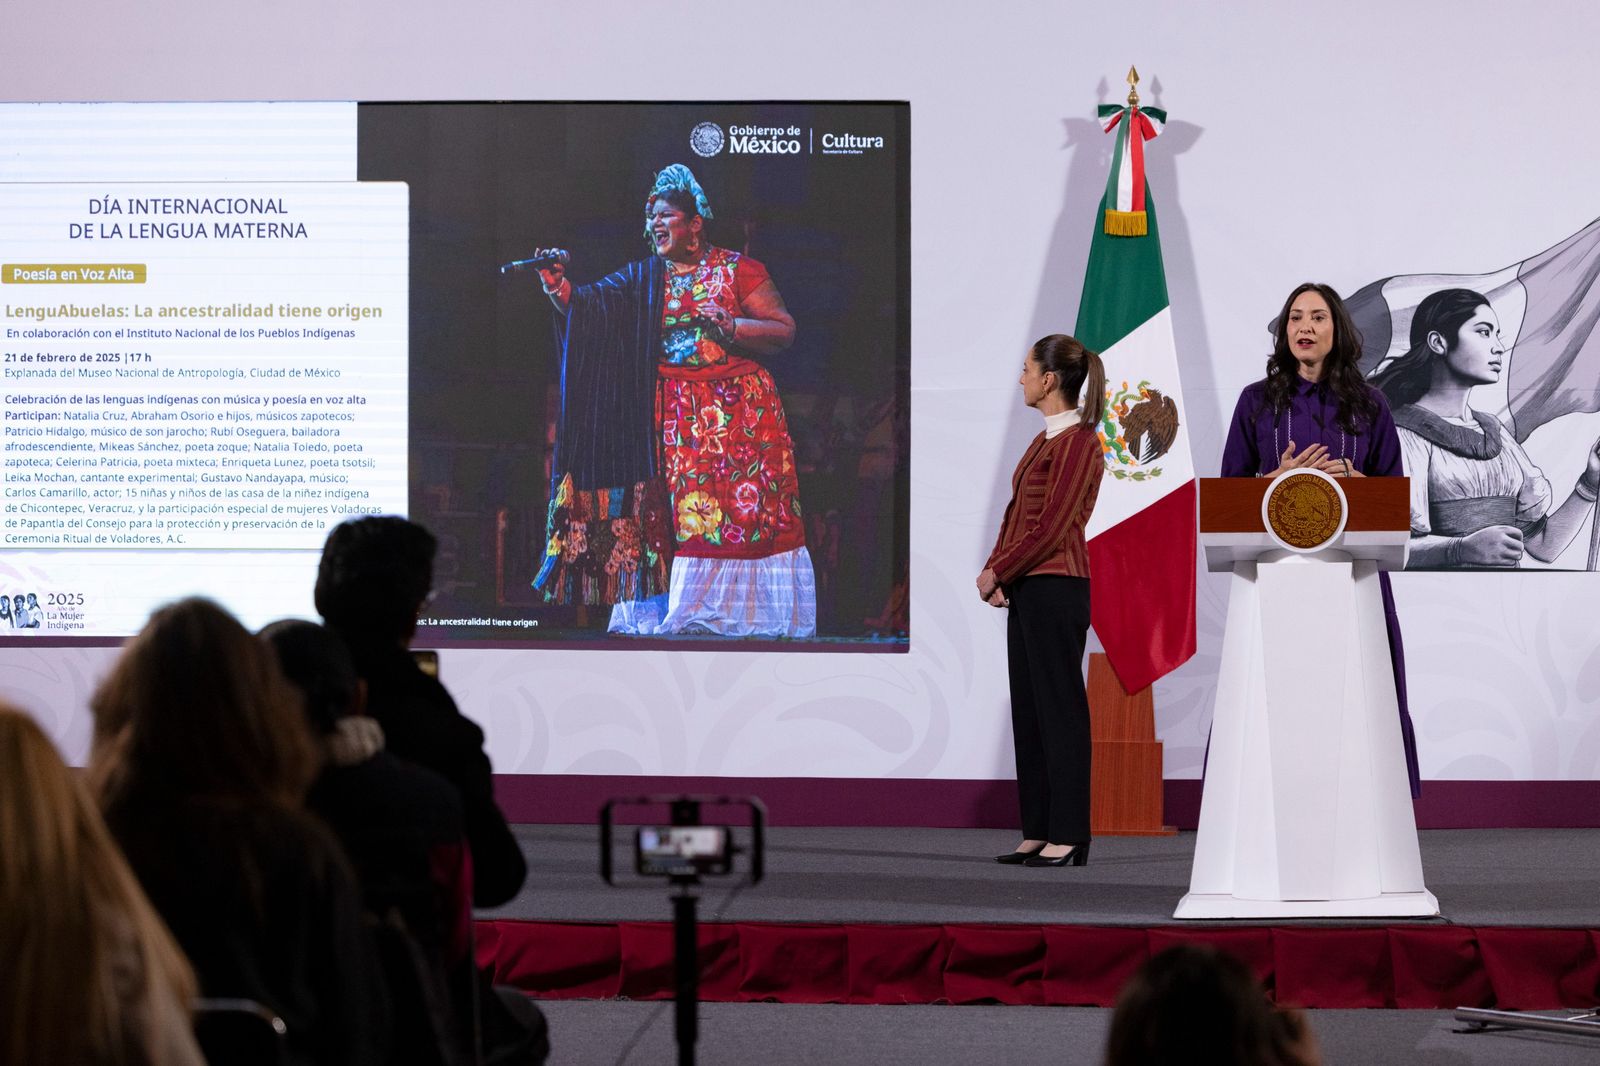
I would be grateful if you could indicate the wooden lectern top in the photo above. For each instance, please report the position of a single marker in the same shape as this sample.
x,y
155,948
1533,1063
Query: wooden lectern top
x,y
1377,525
1233,504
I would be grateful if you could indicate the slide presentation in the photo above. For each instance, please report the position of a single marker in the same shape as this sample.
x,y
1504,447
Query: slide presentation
x,y
642,368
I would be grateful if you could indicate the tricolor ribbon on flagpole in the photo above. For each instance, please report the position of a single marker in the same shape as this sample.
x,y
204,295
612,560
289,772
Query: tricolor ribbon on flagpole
x,y
1124,203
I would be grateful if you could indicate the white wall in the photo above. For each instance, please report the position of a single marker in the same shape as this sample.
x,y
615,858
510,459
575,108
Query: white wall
x,y
1337,142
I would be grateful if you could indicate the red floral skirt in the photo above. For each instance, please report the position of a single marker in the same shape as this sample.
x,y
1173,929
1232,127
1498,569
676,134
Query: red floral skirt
x,y
728,461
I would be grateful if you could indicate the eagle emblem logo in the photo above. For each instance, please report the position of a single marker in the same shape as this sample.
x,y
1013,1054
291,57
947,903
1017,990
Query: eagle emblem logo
x,y
1304,509
1138,427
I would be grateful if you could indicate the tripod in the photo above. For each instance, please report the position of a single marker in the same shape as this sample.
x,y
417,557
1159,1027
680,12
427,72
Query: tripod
x,y
683,870
686,965
1488,1021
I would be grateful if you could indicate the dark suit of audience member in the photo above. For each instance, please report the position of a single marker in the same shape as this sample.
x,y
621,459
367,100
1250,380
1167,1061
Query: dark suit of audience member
x,y
375,575
422,723
200,762
401,827
373,579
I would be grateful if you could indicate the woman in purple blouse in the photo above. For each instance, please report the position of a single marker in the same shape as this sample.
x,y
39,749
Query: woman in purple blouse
x,y
1313,409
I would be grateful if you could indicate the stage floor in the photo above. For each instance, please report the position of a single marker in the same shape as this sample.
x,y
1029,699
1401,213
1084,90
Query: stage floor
x,y
620,1033
1488,877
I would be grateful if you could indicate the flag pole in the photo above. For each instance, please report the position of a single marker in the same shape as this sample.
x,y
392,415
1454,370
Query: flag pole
x,y
1594,540
1142,535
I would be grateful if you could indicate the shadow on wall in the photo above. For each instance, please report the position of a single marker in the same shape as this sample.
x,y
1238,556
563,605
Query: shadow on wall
x,y
1061,283
1184,696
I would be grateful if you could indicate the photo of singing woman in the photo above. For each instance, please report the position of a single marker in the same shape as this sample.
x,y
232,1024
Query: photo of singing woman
x,y
660,379
714,495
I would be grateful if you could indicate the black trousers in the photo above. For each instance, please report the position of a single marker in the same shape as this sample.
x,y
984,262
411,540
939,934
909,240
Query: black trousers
x,y
1045,632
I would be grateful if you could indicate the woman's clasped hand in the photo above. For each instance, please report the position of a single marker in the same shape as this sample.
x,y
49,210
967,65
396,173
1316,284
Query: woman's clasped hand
x,y
1314,457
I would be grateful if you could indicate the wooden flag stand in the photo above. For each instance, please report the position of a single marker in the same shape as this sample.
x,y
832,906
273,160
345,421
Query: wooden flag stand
x,y
1125,784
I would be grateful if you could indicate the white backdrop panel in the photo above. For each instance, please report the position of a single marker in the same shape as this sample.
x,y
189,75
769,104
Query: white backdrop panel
x,y
1383,139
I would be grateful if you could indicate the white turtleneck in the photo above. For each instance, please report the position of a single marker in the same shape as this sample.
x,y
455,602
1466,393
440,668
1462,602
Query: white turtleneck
x,y
1055,425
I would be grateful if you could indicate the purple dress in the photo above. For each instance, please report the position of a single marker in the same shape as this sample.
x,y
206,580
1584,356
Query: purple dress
x,y
1256,440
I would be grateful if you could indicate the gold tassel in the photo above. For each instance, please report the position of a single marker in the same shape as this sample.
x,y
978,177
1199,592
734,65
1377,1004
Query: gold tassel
x,y
1126,223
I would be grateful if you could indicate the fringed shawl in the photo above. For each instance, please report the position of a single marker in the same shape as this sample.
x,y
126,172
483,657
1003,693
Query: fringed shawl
x,y
604,538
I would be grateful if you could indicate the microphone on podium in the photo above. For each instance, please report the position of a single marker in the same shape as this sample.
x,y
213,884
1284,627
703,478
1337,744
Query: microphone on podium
x,y
546,258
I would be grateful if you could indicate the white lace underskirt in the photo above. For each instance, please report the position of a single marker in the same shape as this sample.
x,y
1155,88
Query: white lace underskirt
x,y
771,597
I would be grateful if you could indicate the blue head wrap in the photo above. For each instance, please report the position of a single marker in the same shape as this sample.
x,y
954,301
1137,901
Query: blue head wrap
x,y
678,178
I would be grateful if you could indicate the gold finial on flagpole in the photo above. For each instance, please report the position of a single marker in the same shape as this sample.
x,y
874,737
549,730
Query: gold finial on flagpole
x,y
1133,90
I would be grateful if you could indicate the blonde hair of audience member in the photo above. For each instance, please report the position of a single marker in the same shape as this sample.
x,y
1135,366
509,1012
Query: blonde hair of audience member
x,y
90,973
197,707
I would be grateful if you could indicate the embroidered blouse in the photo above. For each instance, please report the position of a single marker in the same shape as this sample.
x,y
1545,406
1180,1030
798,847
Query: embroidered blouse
x,y
723,279
1258,434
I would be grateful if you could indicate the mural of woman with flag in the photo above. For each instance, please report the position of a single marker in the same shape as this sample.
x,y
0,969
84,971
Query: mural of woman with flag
x,y
1538,364
1477,499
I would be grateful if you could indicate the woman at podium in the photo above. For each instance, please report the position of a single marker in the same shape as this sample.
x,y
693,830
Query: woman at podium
x,y
1314,410
1039,569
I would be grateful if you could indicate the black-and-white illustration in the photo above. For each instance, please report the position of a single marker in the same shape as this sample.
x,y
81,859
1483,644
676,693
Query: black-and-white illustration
x,y
1472,367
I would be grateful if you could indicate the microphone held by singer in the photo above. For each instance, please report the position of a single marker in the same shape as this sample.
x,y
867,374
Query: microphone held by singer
x,y
542,259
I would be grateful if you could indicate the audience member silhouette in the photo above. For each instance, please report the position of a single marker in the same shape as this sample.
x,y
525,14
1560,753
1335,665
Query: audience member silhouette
x,y
201,759
374,578
1193,1005
88,973
400,825
375,575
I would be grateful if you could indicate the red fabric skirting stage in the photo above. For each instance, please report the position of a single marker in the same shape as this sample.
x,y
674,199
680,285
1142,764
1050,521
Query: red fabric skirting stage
x,y
1408,966
852,801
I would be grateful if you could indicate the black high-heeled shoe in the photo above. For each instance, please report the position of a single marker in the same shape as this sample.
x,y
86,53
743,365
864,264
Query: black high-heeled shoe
x,y
1078,856
1017,858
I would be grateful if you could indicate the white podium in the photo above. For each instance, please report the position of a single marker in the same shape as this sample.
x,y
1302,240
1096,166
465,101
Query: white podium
x,y
1306,811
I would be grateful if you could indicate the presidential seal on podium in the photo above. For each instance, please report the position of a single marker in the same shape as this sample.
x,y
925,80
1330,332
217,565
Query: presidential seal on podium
x,y
1304,510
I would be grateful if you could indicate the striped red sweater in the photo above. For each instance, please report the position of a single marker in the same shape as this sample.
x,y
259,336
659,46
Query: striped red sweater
x,y
1052,493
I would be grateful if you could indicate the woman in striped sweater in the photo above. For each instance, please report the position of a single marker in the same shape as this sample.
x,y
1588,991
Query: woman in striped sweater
x,y
1039,570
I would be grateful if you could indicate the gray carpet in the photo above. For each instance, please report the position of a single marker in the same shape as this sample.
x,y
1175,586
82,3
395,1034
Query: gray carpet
x,y
1481,877
585,1032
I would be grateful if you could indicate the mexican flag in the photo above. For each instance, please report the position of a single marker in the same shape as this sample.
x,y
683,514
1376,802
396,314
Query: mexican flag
x,y
1549,311
1142,534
